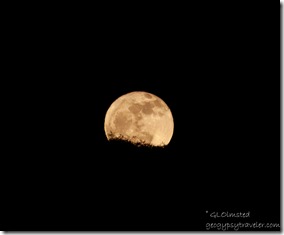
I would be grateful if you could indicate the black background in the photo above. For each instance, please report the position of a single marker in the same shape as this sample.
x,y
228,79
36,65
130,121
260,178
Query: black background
x,y
214,71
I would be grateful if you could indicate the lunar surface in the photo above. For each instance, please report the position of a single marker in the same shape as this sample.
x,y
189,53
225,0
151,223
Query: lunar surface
x,y
140,118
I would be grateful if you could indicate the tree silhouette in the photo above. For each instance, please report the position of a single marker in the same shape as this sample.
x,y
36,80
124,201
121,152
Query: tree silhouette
x,y
134,140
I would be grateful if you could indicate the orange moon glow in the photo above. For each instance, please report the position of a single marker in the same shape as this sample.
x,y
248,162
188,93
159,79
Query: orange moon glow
x,y
140,118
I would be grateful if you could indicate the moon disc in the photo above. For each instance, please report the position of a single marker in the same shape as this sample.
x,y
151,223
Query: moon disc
x,y
140,118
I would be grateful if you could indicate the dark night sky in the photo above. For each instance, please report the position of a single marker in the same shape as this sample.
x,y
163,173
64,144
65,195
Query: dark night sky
x,y
224,153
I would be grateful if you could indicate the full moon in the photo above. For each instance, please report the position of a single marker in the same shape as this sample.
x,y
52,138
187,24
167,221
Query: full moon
x,y
141,118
